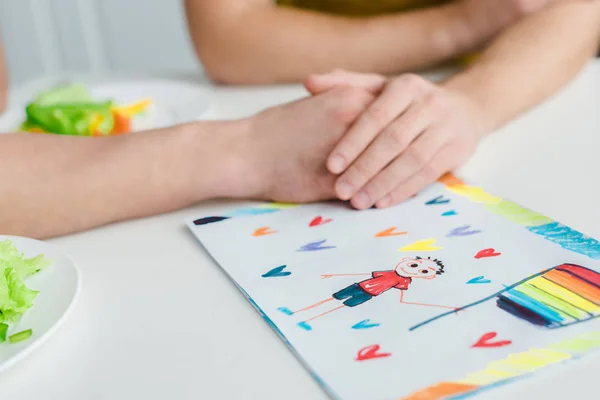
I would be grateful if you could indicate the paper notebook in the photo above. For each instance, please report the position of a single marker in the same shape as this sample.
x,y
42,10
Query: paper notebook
x,y
451,293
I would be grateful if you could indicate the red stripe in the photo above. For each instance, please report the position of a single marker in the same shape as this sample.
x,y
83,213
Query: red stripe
x,y
583,273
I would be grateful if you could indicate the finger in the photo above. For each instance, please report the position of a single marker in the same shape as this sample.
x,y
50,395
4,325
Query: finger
x,y
319,83
439,165
394,139
393,101
420,153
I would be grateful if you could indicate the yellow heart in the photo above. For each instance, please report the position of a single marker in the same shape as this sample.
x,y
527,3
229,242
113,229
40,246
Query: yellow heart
x,y
421,245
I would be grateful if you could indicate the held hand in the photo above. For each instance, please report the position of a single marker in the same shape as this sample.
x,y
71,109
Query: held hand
x,y
413,133
284,152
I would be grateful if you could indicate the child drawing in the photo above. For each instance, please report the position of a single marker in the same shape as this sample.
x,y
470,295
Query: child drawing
x,y
379,282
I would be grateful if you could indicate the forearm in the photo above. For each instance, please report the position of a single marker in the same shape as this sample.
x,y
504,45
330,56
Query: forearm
x,y
531,61
268,43
53,185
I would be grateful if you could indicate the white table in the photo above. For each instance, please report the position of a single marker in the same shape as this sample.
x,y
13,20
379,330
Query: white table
x,y
157,319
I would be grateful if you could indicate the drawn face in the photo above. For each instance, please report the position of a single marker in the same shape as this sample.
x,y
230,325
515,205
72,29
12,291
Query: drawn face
x,y
417,268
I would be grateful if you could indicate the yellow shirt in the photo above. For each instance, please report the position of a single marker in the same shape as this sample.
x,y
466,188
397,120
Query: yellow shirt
x,y
360,7
367,8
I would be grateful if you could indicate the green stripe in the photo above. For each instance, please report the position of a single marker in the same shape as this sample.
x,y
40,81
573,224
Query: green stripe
x,y
565,309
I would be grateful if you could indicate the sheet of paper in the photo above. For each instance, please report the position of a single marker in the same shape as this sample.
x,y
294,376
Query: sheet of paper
x,y
451,293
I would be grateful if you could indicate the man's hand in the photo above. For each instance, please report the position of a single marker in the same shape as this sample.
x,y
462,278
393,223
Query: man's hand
x,y
284,152
413,133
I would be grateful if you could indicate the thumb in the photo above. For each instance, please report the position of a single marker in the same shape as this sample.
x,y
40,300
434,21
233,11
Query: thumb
x,y
319,83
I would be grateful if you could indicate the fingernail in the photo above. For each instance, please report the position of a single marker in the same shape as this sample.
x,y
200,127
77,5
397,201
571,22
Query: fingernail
x,y
384,202
361,200
336,164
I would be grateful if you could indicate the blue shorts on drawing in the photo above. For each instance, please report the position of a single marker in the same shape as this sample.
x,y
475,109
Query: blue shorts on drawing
x,y
354,295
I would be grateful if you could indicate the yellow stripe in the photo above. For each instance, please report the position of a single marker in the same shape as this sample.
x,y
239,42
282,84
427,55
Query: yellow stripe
x,y
475,194
518,214
564,294
579,344
566,309
514,365
281,206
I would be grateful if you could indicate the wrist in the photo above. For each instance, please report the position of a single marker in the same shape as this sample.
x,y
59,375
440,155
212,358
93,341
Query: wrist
x,y
220,166
482,120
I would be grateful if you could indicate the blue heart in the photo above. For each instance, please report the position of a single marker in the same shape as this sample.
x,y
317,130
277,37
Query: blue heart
x,y
462,231
315,246
364,324
438,200
479,279
449,213
277,271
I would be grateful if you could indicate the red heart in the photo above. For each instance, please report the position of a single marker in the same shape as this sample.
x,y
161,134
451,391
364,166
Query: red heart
x,y
369,352
484,341
487,253
319,221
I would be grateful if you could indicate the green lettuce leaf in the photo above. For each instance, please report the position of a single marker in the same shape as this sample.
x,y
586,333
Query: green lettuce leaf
x,y
15,297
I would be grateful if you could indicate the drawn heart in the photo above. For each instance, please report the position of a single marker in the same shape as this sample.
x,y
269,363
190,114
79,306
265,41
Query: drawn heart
x,y
370,352
485,341
464,230
479,279
421,245
277,271
319,221
438,200
449,213
364,324
315,246
209,220
390,232
487,253
263,231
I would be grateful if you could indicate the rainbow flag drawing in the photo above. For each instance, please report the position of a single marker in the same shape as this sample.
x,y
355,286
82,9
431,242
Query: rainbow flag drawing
x,y
555,298
562,296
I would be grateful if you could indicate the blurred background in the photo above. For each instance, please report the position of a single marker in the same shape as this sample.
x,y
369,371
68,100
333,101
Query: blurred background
x,y
49,37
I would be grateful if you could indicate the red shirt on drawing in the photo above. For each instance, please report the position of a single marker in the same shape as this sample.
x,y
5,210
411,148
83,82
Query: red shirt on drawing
x,y
384,280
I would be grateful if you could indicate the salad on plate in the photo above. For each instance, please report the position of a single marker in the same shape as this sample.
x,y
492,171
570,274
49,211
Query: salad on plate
x,y
15,297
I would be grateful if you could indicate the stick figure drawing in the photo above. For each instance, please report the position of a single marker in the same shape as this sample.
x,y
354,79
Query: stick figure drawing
x,y
378,283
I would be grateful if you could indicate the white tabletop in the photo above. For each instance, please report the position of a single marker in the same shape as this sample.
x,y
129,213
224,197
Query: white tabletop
x,y
157,319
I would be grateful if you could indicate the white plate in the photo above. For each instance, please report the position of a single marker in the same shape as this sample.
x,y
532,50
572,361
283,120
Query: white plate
x,y
175,101
58,286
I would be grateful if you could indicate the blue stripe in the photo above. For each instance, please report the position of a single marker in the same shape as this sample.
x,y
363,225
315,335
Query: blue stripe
x,y
568,239
533,305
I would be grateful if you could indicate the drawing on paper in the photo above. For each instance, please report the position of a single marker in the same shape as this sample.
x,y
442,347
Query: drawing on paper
x,y
379,282
555,298
499,255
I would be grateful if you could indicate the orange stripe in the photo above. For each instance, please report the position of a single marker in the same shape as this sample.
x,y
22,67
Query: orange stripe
x,y
582,288
450,180
440,391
